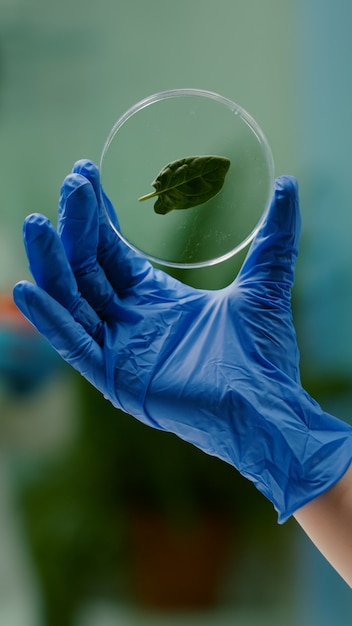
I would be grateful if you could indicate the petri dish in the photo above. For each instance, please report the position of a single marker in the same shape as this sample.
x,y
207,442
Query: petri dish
x,y
178,124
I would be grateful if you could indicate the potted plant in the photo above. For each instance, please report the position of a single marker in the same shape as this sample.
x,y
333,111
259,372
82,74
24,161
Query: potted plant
x,y
180,509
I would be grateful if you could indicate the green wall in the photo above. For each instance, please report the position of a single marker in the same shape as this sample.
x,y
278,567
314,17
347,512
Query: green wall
x,y
69,69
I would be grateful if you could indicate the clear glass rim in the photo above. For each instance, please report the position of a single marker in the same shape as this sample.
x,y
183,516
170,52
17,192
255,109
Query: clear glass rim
x,y
247,119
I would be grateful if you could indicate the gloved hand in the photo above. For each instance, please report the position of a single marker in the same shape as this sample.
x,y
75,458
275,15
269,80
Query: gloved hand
x,y
218,368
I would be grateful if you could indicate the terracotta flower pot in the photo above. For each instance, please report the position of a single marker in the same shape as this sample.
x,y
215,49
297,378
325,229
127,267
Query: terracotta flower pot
x,y
177,565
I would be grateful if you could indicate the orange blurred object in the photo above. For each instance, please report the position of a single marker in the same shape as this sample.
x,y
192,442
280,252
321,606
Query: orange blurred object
x,y
10,315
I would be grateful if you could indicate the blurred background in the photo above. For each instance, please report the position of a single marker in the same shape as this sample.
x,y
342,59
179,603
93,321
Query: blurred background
x,y
103,521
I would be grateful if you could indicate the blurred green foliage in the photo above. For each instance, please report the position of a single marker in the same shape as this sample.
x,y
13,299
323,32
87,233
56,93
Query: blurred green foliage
x,y
78,509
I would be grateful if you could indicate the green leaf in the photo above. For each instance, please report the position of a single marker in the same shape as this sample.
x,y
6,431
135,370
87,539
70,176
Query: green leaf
x,y
188,182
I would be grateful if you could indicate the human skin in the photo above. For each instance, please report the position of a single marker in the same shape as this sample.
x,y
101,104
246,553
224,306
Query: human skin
x,y
327,520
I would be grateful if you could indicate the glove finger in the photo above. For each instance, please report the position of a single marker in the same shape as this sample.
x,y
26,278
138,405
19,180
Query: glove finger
x,y
123,267
52,272
78,229
67,336
90,171
273,253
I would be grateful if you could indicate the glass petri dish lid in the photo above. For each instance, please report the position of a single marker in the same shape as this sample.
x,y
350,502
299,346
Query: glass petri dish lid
x,y
166,128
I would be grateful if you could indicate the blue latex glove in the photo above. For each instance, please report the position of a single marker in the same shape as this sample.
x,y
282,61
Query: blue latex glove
x,y
218,368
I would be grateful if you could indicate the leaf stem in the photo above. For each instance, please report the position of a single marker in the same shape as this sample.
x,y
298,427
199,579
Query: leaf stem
x,y
148,196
